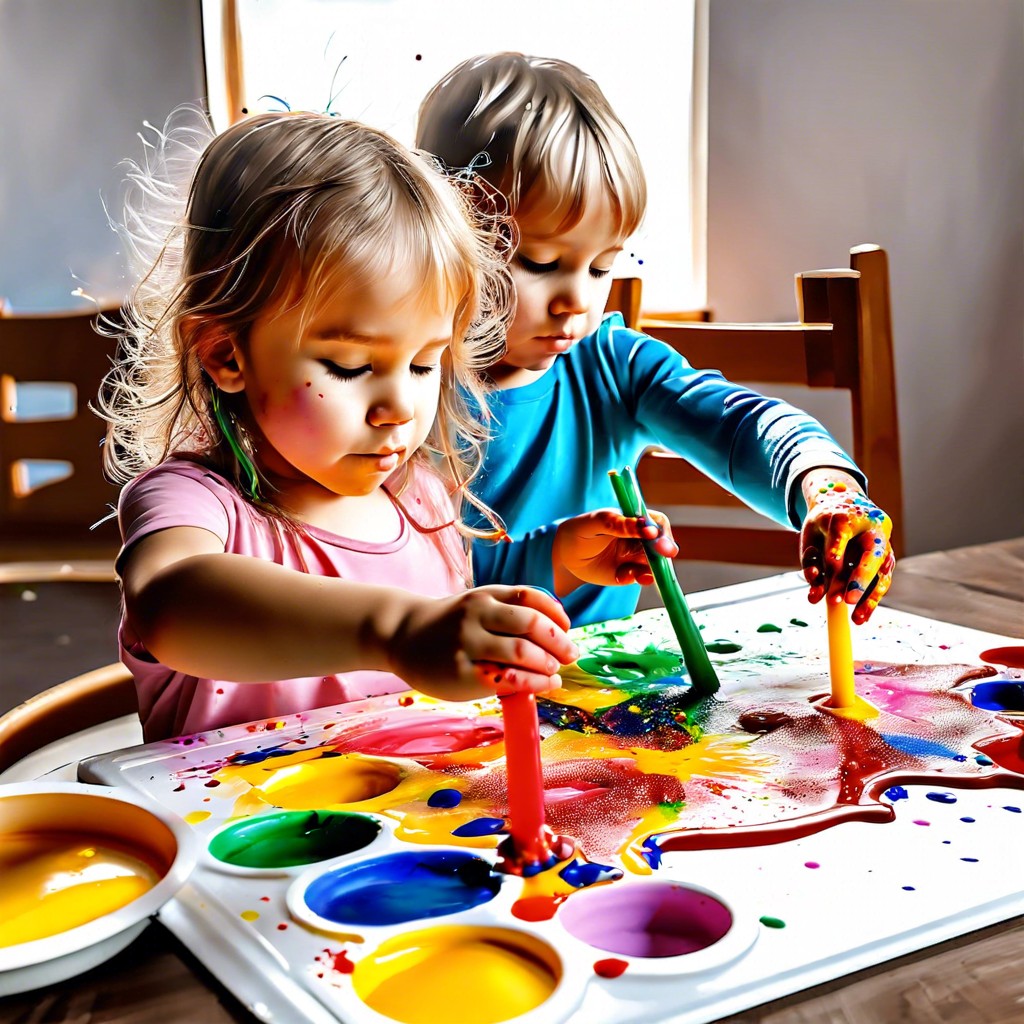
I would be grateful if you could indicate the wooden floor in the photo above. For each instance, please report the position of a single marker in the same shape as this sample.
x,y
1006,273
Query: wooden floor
x,y
50,632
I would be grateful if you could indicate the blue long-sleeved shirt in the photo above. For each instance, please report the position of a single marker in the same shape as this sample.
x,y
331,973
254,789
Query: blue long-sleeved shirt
x,y
614,394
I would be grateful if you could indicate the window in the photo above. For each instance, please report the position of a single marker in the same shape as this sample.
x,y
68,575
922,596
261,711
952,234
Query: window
x,y
374,60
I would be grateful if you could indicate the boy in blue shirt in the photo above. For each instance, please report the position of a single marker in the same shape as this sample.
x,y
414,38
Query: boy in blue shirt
x,y
577,393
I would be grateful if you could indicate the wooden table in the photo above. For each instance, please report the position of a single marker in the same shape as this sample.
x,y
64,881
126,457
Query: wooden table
x,y
973,979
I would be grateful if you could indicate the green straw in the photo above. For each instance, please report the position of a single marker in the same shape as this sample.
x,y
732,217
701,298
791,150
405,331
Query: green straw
x,y
698,664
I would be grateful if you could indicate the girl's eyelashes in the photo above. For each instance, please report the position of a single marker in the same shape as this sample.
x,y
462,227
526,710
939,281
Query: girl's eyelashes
x,y
352,372
344,372
532,267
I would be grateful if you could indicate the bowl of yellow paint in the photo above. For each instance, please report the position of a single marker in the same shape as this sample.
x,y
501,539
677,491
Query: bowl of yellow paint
x,y
82,869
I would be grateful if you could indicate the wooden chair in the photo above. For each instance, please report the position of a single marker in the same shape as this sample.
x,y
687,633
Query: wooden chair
x,y
624,298
52,488
843,340
80,703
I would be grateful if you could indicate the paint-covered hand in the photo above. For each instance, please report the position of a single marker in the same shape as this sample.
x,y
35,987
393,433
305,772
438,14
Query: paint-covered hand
x,y
605,547
844,543
486,641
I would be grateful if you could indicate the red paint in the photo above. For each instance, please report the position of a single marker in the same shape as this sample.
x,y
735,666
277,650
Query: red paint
x,y
610,968
282,927
340,962
537,908
1011,657
525,778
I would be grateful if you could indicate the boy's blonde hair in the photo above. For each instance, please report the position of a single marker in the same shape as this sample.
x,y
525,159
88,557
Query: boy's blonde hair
x,y
281,207
540,131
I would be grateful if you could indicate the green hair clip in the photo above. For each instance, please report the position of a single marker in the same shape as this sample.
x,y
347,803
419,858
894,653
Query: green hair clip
x,y
252,480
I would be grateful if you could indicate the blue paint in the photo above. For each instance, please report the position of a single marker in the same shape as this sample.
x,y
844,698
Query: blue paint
x,y
916,746
908,888
941,798
998,695
444,798
970,860
895,793
258,756
579,874
651,852
982,759
1015,810
403,887
480,827
970,821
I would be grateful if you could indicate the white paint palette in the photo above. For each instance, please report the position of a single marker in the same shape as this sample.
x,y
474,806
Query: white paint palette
x,y
350,871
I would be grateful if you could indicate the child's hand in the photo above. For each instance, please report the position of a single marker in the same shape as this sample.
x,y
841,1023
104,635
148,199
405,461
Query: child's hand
x,y
486,641
604,547
845,547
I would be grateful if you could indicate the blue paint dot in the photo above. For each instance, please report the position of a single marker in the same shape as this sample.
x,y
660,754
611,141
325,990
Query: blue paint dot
x,y
970,821
579,874
908,888
444,798
941,798
982,759
1016,810
895,793
480,827
970,860
652,852
960,757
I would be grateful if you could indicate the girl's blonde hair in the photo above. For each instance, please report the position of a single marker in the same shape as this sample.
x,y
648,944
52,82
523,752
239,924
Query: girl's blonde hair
x,y
538,130
279,208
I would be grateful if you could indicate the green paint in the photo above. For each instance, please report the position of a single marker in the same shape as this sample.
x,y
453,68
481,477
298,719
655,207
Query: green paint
x,y
671,808
772,922
621,666
723,647
797,622
769,627
293,837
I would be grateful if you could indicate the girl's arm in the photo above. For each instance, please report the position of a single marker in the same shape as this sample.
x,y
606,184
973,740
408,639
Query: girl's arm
x,y
215,615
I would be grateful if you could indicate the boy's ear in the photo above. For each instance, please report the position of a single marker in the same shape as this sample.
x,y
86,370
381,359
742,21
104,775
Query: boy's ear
x,y
220,358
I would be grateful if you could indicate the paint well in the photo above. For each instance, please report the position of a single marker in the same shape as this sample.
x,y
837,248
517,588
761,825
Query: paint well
x,y
53,881
473,975
293,837
402,887
658,920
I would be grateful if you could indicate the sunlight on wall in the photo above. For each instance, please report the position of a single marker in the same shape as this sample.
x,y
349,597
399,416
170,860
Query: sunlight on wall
x,y
374,60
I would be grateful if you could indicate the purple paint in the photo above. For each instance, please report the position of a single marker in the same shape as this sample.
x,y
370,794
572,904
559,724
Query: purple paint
x,y
811,864
657,920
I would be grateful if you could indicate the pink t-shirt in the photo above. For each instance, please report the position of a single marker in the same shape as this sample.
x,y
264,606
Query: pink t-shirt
x,y
184,493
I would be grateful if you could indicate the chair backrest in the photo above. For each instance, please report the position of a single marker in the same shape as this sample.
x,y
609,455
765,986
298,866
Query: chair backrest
x,y
624,298
52,488
843,340
67,708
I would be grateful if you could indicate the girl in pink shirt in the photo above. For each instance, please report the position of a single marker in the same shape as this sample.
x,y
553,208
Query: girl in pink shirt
x,y
286,416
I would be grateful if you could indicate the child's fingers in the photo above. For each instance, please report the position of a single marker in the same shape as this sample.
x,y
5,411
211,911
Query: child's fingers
x,y
538,599
877,589
504,680
527,617
811,561
634,572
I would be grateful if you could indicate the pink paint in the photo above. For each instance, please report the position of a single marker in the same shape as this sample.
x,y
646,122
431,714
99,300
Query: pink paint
x,y
419,735
657,920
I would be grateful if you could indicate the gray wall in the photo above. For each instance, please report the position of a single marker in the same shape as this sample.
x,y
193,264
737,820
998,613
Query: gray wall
x,y
899,122
78,78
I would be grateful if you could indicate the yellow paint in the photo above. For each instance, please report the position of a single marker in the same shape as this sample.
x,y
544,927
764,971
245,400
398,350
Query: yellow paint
x,y
53,881
249,915
196,817
300,782
491,973
840,656
860,710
